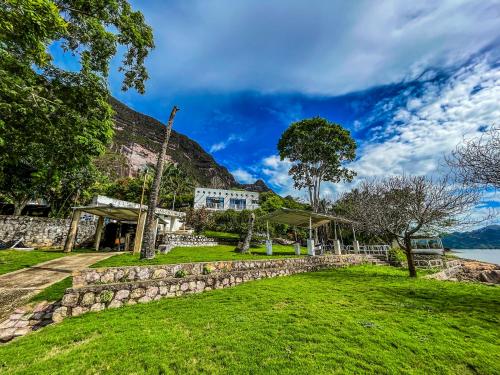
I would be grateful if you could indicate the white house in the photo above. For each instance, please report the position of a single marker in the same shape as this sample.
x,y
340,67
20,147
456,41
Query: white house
x,y
219,199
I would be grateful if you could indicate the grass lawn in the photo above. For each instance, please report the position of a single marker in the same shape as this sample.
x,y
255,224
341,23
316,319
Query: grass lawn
x,y
362,319
54,292
199,254
12,260
222,236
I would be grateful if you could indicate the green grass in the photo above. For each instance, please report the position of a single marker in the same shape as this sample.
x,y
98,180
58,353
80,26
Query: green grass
x,y
54,292
12,260
361,320
223,236
199,254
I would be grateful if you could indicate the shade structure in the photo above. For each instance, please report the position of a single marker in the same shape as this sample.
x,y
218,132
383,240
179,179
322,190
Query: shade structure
x,y
118,213
301,218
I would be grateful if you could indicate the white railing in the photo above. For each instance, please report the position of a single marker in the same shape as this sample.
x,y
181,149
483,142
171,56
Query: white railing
x,y
382,250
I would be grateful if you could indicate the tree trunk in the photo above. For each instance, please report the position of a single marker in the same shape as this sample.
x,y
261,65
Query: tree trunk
x,y
148,242
19,206
409,257
245,247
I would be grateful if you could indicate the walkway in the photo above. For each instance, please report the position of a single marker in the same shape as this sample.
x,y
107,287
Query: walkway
x,y
18,286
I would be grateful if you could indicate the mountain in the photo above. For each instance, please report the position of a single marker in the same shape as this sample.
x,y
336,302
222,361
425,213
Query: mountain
x,y
137,140
484,238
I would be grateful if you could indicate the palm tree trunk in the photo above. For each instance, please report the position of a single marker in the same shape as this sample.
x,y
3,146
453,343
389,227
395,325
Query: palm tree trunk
x,y
148,242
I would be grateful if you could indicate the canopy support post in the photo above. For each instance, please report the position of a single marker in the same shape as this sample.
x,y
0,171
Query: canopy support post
x,y
269,243
310,241
355,243
336,242
98,232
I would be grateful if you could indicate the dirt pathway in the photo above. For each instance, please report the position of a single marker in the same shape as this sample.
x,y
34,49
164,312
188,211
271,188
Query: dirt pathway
x,y
18,286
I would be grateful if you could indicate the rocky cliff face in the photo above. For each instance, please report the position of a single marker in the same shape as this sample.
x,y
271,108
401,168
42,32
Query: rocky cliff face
x,y
138,137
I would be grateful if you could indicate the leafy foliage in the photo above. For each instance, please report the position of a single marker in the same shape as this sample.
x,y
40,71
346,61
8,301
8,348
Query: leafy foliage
x,y
54,122
318,150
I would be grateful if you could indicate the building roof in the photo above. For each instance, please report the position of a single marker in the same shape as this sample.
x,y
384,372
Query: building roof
x,y
300,218
122,210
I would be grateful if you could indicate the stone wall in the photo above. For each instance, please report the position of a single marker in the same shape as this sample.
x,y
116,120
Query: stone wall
x,y
183,240
98,276
104,288
42,231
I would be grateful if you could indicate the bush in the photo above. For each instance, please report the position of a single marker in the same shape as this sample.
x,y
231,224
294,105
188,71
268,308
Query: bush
x,y
396,254
180,274
207,270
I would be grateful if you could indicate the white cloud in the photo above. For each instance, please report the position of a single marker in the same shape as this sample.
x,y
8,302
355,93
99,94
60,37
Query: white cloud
x,y
316,47
421,131
431,126
243,176
223,144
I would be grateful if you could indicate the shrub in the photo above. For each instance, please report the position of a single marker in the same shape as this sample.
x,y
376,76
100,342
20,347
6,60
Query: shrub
x,y
397,255
207,270
180,274
106,296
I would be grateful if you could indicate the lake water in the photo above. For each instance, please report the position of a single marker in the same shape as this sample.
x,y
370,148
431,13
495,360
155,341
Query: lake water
x,y
485,255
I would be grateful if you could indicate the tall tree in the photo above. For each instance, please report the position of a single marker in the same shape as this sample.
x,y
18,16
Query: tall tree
x,y
477,161
318,150
53,121
148,243
174,183
404,207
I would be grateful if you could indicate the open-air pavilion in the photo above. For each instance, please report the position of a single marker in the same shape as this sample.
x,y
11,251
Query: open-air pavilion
x,y
123,212
309,220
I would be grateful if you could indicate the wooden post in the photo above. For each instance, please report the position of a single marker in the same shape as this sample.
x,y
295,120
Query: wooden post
x,y
310,228
335,229
73,228
141,220
98,232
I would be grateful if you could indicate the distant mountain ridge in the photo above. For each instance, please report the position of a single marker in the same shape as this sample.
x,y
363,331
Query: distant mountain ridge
x,y
138,137
484,238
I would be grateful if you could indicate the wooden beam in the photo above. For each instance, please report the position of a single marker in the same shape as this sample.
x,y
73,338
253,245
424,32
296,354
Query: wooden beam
x,y
139,232
73,228
98,232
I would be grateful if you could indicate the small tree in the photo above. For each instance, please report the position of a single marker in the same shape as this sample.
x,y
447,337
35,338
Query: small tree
x,y
477,161
405,206
318,150
198,219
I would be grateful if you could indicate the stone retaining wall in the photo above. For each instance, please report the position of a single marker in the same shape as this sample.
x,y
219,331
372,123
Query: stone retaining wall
x,y
110,275
99,296
42,231
184,240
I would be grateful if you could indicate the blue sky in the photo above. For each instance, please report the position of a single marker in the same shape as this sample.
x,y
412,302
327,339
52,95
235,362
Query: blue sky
x,y
409,79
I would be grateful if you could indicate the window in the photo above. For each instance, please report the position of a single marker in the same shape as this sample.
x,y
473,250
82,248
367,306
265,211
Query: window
x,y
237,204
215,202
255,201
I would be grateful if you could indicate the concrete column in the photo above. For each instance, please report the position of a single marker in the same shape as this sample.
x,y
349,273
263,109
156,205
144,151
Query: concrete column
x,y
310,247
98,232
296,247
336,247
141,221
355,246
172,223
269,247
73,228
